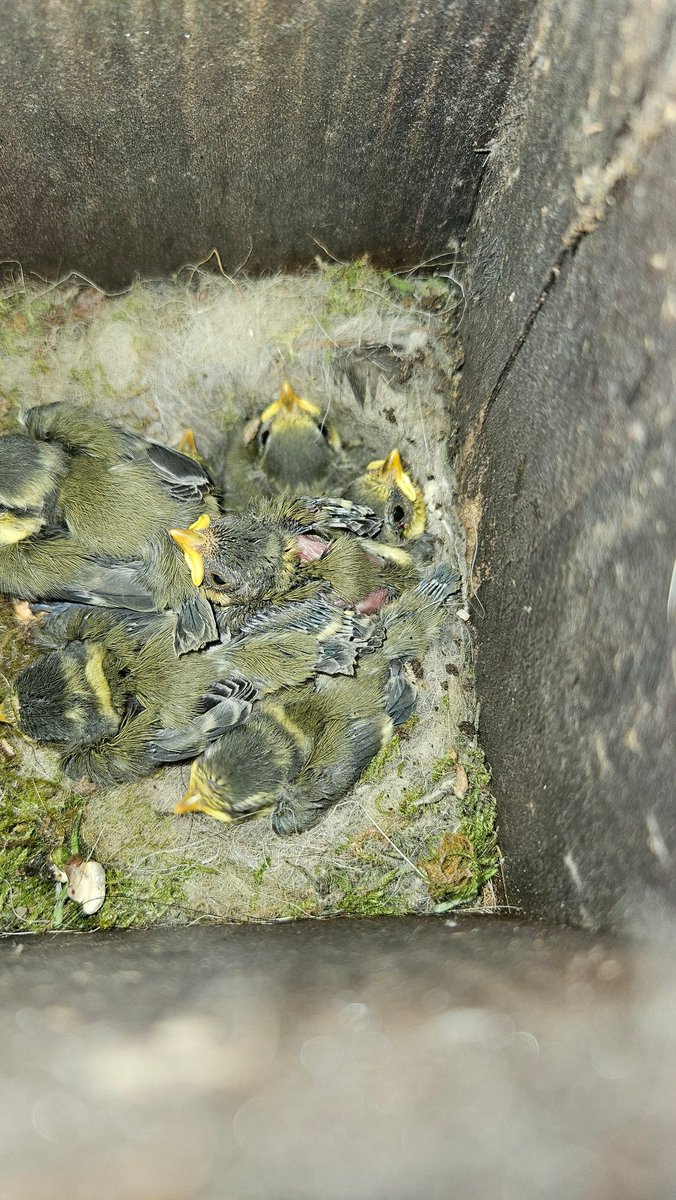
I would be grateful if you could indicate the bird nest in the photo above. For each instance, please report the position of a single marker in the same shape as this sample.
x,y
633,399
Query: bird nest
x,y
379,353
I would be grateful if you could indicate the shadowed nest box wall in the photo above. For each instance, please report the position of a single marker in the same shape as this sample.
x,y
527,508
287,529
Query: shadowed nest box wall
x,y
138,138
568,459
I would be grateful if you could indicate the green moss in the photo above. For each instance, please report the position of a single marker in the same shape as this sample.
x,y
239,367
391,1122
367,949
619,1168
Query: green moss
x,y
408,806
37,818
479,813
427,291
146,899
39,825
462,861
351,286
93,380
40,367
380,802
372,902
376,768
10,341
259,871
145,877
442,767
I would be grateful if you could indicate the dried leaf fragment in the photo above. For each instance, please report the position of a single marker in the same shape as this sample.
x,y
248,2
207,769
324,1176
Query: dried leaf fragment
x,y
461,781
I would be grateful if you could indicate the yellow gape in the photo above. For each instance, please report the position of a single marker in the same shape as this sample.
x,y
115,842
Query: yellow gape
x,y
191,541
290,405
391,468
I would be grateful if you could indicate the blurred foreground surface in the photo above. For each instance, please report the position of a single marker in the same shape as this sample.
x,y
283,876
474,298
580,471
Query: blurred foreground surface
x,y
338,1059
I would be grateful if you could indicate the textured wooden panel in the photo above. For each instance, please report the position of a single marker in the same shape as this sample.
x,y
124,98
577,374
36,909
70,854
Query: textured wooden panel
x,y
138,137
569,383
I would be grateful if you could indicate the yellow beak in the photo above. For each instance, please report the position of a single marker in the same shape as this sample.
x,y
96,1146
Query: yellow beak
x,y
392,468
5,718
191,802
195,800
187,445
289,404
191,541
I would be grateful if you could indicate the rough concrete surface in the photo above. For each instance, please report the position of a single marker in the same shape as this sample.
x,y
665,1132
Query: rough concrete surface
x,y
571,458
343,1060
136,139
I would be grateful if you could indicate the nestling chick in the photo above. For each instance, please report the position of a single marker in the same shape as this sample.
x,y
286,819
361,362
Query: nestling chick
x,y
84,512
389,490
293,441
303,748
117,702
283,547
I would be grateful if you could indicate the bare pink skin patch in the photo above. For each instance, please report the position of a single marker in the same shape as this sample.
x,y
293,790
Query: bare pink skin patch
x,y
374,601
310,547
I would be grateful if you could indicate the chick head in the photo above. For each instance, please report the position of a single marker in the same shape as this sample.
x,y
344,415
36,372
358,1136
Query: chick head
x,y
393,494
238,775
238,557
29,472
71,697
296,445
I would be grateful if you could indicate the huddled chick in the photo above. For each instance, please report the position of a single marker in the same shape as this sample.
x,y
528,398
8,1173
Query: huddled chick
x,y
286,688
393,496
303,747
85,509
294,547
290,446
116,701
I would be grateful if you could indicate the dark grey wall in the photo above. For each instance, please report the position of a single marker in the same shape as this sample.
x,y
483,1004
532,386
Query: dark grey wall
x,y
136,138
568,393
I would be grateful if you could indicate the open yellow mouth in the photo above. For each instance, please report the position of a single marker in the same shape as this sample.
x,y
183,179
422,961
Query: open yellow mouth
x,y
191,541
392,468
290,404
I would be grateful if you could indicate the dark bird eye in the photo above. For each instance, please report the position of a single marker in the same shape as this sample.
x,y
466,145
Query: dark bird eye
x,y
398,514
218,580
264,437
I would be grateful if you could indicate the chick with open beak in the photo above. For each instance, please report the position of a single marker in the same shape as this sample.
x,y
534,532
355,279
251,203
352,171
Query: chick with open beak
x,y
391,492
293,441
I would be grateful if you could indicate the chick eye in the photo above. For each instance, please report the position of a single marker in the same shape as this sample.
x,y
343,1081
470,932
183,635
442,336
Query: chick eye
x,y
218,580
325,431
264,437
398,514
